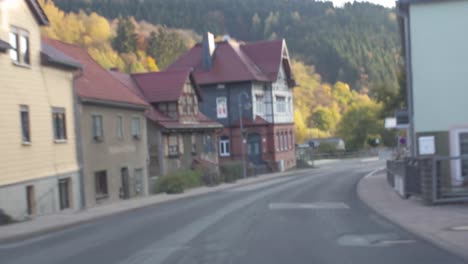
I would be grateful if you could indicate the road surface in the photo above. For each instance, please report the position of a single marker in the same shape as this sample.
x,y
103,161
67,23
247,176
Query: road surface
x,y
312,217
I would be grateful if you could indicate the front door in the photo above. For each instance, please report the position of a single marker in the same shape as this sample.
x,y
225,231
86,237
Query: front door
x,y
125,190
254,148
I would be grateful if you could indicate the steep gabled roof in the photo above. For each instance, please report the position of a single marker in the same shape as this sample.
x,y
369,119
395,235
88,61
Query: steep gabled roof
x,y
152,113
96,83
166,86
38,12
235,62
50,55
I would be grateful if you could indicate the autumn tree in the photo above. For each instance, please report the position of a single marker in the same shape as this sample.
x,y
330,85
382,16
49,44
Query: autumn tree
x,y
125,41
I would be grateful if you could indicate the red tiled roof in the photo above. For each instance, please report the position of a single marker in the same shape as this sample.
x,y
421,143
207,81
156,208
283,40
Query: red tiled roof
x,y
152,112
233,62
96,82
164,86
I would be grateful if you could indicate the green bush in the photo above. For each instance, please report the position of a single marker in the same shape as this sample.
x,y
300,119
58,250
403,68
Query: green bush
x,y
178,181
231,171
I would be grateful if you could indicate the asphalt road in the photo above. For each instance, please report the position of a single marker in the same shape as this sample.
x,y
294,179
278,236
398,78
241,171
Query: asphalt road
x,y
312,217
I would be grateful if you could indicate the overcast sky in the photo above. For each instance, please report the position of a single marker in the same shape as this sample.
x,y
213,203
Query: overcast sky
x,y
387,3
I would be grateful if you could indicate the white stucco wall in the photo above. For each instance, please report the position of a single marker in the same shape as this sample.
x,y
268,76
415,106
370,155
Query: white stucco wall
x,y
439,46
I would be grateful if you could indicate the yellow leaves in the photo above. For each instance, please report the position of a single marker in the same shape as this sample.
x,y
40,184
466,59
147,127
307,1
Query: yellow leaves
x,y
93,32
151,64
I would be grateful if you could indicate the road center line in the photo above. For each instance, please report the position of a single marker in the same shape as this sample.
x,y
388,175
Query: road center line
x,y
316,205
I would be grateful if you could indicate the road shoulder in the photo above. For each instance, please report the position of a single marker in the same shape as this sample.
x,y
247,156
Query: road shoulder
x,y
431,223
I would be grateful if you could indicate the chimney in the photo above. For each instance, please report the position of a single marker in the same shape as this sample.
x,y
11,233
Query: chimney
x,y
208,50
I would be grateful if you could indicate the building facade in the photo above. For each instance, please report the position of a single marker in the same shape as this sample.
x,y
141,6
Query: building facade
x,y
39,162
251,82
179,135
437,63
113,132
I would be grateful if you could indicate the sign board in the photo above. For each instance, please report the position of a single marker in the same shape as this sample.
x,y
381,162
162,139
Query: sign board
x,y
390,122
426,145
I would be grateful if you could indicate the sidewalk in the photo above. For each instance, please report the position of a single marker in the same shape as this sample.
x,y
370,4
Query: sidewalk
x,y
48,223
432,223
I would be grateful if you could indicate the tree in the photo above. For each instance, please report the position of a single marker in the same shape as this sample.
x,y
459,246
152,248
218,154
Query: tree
x,y
125,41
359,123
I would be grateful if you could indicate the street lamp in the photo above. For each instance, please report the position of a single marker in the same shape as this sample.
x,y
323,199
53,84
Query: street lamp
x,y
241,124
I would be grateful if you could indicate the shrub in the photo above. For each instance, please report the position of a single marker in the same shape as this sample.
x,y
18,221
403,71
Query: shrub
x,y
231,171
178,181
170,184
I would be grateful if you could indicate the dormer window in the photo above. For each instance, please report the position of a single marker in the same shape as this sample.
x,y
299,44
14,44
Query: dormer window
x,y
19,42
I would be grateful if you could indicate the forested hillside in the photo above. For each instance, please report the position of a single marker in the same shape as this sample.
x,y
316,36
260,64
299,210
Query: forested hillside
x,y
322,108
357,44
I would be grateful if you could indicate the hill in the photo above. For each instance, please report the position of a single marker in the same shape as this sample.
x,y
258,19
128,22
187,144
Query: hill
x,y
357,44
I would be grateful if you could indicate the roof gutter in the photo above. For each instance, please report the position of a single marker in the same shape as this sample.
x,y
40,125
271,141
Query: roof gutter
x,y
100,102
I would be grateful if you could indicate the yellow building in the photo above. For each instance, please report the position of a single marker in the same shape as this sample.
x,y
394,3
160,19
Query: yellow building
x,y
38,157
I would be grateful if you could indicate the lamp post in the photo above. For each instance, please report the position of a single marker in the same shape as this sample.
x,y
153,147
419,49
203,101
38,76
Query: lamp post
x,y
241,124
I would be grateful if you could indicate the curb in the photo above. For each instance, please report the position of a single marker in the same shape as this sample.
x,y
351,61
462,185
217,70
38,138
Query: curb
x,y
17,238
435,241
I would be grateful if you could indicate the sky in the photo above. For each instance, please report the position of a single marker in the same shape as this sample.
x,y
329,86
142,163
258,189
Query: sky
x,y
387,3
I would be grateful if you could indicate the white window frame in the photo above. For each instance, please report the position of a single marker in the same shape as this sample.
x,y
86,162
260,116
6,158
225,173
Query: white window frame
x,y
457,177
62,135
136,127
280,104
220,113
173,149
21,50
119,126
260,104
27,129
97,127
224,147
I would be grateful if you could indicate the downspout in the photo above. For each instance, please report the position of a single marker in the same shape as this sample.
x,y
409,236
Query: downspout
x,y
78,141
409,79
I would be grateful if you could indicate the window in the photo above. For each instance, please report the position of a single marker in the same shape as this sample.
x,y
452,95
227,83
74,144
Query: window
x,y
289,105
59,123
100,178
119,126
259,104
224,148
136,130
25,127
286,140
278,147
64,193
138,181
194,144
208,144
280,104
98,132
283,141
221,107
19,41
173,145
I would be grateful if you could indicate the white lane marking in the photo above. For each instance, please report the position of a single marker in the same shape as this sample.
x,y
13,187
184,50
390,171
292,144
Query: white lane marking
x,y
459,228
159,251
370,159
316,205
258,185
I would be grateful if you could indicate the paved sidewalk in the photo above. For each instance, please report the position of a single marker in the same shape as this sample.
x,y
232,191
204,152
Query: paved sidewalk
x,y
44,224
432,223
